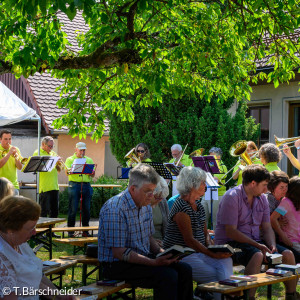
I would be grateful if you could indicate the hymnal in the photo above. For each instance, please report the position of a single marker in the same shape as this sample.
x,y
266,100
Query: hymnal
x,y
177,251
90,290
279,272
223,248
48,264
110,282
244,277
233,282
274,258
295,269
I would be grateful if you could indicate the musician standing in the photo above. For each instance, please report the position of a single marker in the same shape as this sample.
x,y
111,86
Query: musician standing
x,y
9,159
79,184
48,184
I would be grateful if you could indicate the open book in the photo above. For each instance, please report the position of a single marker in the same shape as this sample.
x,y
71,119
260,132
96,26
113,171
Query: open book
x,y
223,248
177,251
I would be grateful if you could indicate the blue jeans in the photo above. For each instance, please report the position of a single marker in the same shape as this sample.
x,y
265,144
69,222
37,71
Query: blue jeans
x,y
74,191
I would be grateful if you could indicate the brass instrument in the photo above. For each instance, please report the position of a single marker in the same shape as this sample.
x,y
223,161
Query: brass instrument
x,y
132,158
282,141
17,156
177,163
197,153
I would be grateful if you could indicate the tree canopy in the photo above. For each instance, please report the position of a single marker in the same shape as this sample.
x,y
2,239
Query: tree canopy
x,y
170,48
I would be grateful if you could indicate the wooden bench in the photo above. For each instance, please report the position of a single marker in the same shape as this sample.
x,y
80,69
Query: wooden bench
x,y
85,261
60,270
262,280
109,291
68,229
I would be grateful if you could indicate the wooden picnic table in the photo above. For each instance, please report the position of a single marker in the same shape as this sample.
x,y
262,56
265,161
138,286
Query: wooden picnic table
x,y
79,242
104,186
262,280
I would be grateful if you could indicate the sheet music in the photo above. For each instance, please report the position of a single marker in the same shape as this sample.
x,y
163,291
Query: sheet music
x,y
50,165
78,165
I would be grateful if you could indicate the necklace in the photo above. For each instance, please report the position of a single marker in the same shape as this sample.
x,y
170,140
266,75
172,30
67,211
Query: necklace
x,y
16,248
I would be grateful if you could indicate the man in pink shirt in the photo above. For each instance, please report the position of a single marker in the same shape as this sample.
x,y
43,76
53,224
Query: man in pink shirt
x,y
242,212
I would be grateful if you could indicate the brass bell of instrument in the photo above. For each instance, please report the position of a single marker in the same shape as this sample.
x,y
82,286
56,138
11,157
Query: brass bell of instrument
x,y
196,153
132,157
282,141
239,148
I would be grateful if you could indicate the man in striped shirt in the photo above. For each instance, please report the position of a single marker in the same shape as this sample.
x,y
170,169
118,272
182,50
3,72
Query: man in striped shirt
x,y
127,248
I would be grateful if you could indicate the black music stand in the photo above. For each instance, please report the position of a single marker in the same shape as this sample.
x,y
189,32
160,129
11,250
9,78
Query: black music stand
x,y
38,164
160,169
174,170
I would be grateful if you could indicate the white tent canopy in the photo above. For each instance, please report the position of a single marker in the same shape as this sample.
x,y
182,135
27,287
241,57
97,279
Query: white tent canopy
x,y
12,108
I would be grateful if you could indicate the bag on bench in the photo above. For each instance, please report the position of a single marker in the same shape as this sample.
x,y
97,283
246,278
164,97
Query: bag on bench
x,y
92,250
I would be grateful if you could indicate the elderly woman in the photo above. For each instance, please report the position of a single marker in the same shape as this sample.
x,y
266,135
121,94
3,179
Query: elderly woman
x,y
19,267
6,188
237,171
270,156
160,209
186,227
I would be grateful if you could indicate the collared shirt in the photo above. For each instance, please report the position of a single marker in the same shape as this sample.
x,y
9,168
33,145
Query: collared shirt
x,y
273,203
122,224
48,180
78,177
9,170
185,160
234,209
272,166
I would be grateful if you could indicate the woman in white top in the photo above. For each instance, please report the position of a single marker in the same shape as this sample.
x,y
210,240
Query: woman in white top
x,y
21,274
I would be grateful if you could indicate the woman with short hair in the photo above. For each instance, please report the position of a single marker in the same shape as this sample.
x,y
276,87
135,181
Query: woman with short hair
x,y
186,227
270,156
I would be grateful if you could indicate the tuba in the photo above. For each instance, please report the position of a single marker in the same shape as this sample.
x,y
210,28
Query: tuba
x,y
132,158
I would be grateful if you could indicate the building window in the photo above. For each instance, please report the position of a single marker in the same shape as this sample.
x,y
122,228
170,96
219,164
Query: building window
x,y
261,114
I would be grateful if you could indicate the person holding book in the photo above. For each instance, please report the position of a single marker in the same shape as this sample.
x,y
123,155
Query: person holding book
x,y
20,269
220,179
289,208
243,212
160,209
127,248
186,227
251,150
270,156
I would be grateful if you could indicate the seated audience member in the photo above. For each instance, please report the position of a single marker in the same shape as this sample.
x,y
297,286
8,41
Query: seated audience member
x,y
237,171
160,210
277,188
19,267
221,179
186,227
172,200
287,151
270,156
126,247
289,207
242,212
6,188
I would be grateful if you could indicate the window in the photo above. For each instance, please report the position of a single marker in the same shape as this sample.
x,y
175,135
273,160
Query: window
x,y
261,114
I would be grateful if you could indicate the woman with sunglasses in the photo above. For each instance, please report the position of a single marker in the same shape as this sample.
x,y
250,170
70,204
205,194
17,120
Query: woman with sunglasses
x,y
142,152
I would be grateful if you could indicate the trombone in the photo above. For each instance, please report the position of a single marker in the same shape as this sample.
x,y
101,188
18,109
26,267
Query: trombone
x,y
282,141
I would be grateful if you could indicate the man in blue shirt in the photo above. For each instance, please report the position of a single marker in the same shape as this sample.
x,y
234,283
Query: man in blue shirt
x,y
126,247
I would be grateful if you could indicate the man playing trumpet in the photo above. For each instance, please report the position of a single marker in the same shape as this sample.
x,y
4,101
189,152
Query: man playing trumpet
x,y
9,159
48,185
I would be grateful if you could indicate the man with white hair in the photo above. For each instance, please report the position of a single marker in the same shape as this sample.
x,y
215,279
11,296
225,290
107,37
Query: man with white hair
x,y
79,185
126,247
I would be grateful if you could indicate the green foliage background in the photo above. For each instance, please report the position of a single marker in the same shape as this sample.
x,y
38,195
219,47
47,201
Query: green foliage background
x,y
191,121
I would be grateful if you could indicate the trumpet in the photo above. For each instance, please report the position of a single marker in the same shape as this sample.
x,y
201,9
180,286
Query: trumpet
x,y
16,155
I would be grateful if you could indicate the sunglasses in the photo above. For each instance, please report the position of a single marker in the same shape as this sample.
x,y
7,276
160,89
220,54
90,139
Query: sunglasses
x,y
140,151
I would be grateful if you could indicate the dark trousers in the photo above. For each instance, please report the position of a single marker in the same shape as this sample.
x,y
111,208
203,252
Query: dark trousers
x,y
49,203
75,189
168,282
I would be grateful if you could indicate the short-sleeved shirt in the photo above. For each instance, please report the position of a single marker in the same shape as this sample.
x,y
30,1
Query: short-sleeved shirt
x,y
272,166
48,180
185,160
255,160
9,170
292,228
273,203
223,170
122,224
75,177
234,209
173,235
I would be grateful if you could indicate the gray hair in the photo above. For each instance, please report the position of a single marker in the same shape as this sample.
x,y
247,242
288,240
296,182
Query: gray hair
x,y
270,153
176,147
189,178
46,139
216,150
142,174
162,188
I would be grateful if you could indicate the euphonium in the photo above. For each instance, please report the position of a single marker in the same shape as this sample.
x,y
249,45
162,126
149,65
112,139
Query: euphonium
x,y
132,158
239,148
196,153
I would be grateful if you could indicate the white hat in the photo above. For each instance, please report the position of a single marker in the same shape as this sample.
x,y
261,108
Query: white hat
x,y
81,146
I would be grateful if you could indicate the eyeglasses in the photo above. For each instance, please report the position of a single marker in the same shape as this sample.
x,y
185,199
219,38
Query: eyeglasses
x,y
50,146
140,151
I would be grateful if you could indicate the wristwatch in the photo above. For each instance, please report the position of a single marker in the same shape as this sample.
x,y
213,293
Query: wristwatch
x,y
298,148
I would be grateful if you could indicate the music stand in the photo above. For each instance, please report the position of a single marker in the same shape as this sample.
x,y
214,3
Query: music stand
x,y
174,170
207,163
38,164
160,169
